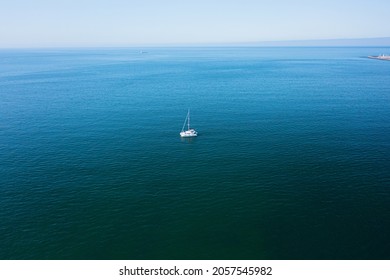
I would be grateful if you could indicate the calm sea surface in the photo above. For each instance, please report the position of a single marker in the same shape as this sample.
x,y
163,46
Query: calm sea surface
x,y
292,159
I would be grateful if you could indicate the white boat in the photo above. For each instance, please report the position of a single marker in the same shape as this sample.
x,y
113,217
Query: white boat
x,y
190,132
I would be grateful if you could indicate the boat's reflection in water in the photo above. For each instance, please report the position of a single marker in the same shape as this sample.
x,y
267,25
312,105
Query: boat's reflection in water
x,y
188,139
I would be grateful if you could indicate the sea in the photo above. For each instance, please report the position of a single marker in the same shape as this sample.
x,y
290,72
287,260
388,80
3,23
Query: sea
x,y
292,158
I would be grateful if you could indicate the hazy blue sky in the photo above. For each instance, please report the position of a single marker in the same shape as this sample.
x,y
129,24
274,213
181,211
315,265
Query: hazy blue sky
x,y
34,23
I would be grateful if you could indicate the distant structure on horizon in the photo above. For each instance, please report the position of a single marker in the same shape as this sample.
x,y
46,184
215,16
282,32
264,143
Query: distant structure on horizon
x,y
381,57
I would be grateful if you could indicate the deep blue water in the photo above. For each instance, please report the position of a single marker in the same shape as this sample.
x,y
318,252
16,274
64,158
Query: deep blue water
x,y
292,159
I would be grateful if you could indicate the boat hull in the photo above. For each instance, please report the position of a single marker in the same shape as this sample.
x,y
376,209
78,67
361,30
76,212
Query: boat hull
x,y
188,133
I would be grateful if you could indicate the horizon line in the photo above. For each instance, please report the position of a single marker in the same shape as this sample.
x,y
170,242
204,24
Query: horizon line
x,y
332,42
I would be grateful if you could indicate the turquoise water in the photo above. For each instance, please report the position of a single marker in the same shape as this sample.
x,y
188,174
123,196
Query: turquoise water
x,y
292,159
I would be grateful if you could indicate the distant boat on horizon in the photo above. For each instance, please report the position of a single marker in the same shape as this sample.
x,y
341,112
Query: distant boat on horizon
x,y
190,132
381,57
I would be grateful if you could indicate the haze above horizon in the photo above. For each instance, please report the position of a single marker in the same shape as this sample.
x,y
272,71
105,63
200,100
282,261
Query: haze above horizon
x,y
88,23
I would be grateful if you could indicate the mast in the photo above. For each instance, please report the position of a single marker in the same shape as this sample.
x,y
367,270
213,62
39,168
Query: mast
x,y
188,119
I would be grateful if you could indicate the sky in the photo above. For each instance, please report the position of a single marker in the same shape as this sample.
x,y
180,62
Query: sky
x,y
73,23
